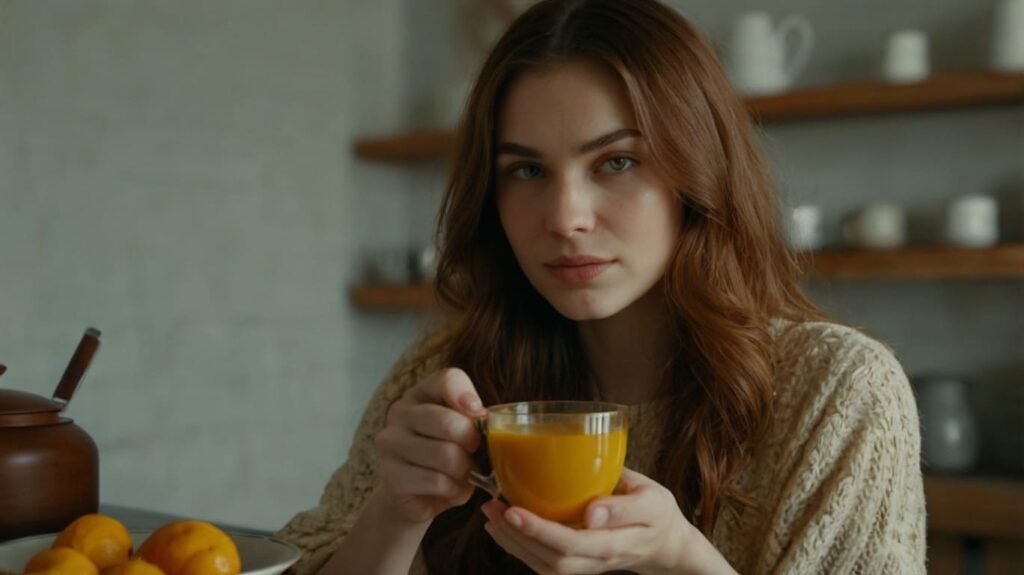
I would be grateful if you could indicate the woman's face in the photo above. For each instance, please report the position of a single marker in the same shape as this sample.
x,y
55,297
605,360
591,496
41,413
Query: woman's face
x,y
590,220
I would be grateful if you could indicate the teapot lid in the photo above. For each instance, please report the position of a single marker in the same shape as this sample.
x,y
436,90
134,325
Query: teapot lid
x,y
18,408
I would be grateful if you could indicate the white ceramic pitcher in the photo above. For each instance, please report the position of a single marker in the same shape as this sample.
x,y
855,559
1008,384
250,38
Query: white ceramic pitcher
x,y
1008,36
758,60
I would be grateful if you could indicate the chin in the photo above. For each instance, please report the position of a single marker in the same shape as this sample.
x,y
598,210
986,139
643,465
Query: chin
x,y
585,305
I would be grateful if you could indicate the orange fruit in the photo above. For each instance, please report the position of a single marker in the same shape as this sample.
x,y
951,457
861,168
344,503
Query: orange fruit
x,y
133,567
61,561
102,539
191,548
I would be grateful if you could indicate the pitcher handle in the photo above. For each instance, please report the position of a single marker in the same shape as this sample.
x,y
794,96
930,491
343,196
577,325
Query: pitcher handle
x,y
805,43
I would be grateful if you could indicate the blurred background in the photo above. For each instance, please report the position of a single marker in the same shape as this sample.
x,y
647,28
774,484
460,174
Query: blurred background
x,y
239,193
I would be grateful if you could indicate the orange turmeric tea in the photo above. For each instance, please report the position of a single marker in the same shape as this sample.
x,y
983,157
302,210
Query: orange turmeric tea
x,y
556,469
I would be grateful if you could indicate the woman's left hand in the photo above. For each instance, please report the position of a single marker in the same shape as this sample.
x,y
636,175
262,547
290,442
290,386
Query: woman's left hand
x,y
641,529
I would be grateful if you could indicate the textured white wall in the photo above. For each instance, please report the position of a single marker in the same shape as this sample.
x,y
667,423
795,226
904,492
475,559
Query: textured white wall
x,y
180,175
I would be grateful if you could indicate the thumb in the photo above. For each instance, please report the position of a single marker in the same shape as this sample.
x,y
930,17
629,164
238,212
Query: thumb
x,y
630,481
453,388
633,505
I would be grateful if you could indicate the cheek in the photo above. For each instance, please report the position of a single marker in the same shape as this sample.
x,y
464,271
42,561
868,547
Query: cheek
x,y
514,220
649,213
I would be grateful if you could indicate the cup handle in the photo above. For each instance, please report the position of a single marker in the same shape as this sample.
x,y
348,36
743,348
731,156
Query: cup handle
x,y
805,33
488,483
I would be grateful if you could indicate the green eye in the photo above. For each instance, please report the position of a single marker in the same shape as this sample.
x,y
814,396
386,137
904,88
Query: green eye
x,y
619,164
527,172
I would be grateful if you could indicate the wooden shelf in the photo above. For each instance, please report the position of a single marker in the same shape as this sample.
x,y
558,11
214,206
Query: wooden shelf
x,y
941,91
976,507
418,296
924,263
1005,261
409,147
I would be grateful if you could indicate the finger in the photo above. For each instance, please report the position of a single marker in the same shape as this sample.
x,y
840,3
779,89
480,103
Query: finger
x,y
641,502
599,544
463,496
405,479
451,387
504,539
444,456
630,480
436,421
512,538
505,536
493,509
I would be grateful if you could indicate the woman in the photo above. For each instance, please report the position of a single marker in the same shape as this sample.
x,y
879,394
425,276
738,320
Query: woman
x,y
609,232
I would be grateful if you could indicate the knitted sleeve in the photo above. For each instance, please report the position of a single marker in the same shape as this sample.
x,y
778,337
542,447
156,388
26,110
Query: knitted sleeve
x,y
852,498
318,531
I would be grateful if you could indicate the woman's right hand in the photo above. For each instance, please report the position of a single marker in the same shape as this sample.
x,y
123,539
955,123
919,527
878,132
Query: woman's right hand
x,y
426,446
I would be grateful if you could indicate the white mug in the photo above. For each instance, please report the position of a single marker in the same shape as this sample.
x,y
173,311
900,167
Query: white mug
x,y
804,229
758,63
973,221
877,226
906,57
425,263
1008,36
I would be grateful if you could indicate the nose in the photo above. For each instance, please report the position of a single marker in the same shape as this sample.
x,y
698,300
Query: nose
x,y
569,209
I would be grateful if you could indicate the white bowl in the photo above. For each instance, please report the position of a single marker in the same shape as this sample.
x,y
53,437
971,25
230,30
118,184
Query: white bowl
x,y
260,555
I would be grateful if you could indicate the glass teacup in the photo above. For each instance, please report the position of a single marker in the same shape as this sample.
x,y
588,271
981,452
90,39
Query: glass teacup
x,y
554,457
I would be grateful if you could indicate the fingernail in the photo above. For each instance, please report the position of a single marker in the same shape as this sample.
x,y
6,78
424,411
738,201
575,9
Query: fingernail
x,y
485,509
471,403
514,519
598,517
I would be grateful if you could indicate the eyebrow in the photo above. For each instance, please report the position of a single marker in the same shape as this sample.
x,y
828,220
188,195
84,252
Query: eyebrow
x,y
595,144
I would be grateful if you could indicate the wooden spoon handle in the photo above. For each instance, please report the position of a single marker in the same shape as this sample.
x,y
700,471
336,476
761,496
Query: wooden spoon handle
x,y
79,363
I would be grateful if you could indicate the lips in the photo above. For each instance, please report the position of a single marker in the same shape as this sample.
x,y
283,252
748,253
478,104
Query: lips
x,y
577,269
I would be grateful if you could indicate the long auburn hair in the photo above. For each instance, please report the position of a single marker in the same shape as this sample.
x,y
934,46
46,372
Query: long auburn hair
x,y
731,272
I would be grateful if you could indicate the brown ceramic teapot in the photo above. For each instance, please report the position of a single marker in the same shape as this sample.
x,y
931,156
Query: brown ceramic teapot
x,y
49,467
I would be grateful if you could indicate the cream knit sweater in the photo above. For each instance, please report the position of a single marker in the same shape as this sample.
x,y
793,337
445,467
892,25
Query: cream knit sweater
x,y
837,483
